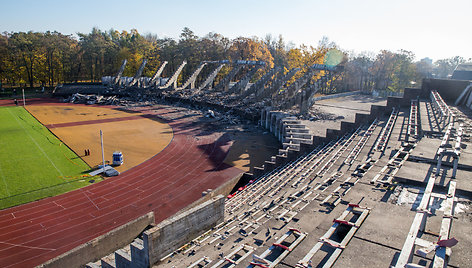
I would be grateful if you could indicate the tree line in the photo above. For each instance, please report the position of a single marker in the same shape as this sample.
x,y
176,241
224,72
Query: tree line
x,y
49,58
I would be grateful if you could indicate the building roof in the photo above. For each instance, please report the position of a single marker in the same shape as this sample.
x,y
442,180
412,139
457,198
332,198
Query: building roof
x,y
463,72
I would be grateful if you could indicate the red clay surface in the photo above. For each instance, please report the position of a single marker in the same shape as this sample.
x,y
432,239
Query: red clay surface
x,y
33,233
101,121
10,102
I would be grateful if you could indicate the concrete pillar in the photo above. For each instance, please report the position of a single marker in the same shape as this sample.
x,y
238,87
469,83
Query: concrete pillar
x,y
262,117
438,167
267,126
454,169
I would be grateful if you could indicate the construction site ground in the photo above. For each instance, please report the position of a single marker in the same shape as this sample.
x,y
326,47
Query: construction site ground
x,y
259,216
138,137
329,113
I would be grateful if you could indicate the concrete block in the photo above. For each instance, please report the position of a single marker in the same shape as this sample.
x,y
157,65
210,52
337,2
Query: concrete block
x,y
105,264
102,245
122,259
287,145
299,140
292,154
362,118
139,257
174,232
393,101
283,152
317,140
449,89
347,126
289,131
258,171
305,147
333,133
295,125
299,135
280,160
269,166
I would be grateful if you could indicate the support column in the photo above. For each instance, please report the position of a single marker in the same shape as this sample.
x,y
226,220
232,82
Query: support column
x,y
438,167
456,163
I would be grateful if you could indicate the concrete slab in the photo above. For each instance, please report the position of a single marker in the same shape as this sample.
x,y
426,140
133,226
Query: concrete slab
x,y
428,120
416,174
426,148
462,230
362,253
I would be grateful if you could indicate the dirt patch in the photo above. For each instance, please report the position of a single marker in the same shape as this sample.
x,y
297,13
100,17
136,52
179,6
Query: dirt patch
x,y
137,139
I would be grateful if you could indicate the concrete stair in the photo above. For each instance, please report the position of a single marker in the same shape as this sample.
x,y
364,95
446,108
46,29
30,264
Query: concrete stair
x,y
131,256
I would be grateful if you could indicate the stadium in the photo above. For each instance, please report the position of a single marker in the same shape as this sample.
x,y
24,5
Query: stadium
x,y
214,177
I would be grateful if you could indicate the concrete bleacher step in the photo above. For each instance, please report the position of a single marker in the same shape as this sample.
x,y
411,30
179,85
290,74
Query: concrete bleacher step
x,y
281,159
92,265
107,263
122,259
288,145
283,151
294,125
290,130
138,254
298,140
299,136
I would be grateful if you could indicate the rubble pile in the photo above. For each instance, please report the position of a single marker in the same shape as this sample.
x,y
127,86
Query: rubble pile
x,y
92,99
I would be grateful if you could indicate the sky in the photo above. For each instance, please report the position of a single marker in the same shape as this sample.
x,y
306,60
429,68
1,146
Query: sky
x,y
434,29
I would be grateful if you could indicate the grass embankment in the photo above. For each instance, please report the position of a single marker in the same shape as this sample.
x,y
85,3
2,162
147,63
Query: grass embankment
x,y
33,163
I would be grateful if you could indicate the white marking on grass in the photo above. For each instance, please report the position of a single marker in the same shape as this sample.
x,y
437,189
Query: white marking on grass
x,y
37,145
4,181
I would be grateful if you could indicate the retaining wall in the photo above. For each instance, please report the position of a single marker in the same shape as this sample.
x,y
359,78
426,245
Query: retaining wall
x,y
174,232
102,245
449,89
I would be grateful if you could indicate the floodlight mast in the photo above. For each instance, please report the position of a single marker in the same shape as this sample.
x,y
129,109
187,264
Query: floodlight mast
x,y
103,154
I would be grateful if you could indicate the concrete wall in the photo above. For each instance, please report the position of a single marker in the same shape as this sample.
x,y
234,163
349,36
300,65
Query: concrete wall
x,y
449,89
338,95
174,232
102,245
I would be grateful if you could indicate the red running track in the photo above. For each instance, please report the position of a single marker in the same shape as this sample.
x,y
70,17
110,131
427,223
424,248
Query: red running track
x,y
33,233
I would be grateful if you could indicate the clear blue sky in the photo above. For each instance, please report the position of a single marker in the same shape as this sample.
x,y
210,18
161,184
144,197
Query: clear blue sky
x,y
435,29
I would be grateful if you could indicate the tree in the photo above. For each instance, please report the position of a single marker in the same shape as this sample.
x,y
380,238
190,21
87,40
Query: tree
x,y
357,74
444,67
97,47
26,51
243,48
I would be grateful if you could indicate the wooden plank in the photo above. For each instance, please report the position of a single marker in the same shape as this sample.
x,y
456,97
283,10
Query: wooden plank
x,y
440,255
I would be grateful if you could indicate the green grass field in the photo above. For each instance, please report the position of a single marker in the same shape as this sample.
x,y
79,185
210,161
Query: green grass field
x,y
33,163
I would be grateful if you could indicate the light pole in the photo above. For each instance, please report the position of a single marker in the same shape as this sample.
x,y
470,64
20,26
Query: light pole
x,y
103,154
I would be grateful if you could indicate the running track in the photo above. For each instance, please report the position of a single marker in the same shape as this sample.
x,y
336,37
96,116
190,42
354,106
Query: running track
x,y
33,233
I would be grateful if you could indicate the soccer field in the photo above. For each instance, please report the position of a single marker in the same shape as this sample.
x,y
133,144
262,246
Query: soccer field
x,y
33,163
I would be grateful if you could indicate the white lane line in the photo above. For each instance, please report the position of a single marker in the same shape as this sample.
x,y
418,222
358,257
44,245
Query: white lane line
x,y
89,199
37,145
19,245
